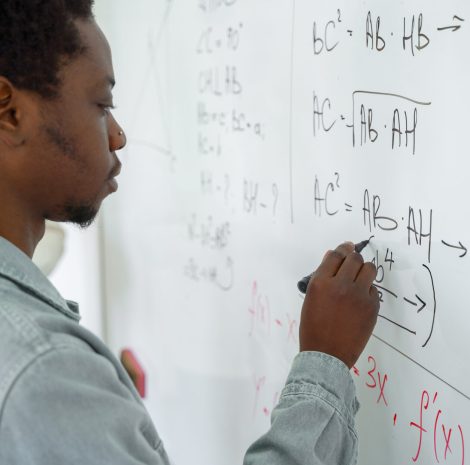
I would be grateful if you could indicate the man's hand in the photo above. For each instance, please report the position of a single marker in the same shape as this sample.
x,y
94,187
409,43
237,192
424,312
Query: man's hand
x,y
341,306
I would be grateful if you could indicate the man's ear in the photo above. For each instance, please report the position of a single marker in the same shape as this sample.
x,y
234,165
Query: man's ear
x,y
10,133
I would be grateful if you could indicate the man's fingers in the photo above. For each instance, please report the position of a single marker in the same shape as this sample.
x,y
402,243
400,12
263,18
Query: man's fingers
x,y
350,267
333,259
367,275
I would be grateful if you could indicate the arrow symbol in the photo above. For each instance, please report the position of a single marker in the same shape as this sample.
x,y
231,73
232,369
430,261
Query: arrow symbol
x,y
460,247
453,28
415,304
447,28
423,303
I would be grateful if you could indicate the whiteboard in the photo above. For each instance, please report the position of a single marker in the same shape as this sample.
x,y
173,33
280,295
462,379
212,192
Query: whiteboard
x,y
261,134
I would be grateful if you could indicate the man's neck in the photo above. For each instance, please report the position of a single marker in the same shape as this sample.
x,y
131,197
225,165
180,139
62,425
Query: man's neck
x,y
20,227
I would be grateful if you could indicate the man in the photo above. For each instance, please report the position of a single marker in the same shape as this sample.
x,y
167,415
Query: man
x,y
64,398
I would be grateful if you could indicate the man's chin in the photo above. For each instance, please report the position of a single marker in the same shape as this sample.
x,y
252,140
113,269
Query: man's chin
x,y
83,224
82,216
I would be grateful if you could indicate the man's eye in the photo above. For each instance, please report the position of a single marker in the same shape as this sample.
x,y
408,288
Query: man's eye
x,y
106,107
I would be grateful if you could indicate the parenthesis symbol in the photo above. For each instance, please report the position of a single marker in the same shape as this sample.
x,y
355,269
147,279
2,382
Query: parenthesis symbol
x,y
434,308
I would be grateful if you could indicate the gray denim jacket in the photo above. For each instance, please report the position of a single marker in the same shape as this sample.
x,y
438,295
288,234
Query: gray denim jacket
x,y
66,400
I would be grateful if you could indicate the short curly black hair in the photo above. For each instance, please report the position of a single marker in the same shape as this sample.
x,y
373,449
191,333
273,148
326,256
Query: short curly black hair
x,y
36,38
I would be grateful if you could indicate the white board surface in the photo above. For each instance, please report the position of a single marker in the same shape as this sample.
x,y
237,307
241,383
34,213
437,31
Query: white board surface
x,y
261,134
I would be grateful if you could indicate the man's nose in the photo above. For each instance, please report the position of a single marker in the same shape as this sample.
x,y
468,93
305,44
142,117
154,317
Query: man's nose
x,y
117,138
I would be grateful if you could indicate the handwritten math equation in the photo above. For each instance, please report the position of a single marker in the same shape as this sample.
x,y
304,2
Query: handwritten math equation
x,y
222,121
221,89
370,208
265,321
371,211
396,117
381,119
411,34
436,436
393,118
210,6
415,222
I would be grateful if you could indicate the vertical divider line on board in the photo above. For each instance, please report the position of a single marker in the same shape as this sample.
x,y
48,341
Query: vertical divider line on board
x,y
103,284
291,183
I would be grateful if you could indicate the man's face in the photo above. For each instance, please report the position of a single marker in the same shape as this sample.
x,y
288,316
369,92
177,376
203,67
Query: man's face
x,y
71,158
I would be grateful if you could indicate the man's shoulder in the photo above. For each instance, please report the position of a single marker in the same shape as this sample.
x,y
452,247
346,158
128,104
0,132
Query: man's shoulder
x,y
29,330
21,336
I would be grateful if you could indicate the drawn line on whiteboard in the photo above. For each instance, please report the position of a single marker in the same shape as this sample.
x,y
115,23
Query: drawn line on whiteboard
x,y
398,324
388,291
157,76
458,391
291,109
390,94
153,72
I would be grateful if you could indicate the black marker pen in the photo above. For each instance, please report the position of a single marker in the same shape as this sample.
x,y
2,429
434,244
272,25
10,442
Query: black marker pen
x,y
303,283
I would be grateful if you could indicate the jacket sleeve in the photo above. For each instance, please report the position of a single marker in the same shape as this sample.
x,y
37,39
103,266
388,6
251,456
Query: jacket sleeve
x,y
68,406
313,423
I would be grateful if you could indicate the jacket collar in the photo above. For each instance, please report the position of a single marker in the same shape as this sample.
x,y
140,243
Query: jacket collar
x,y
16,266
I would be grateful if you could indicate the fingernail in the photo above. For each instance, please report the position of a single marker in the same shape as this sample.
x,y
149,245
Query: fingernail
x,y
351,244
